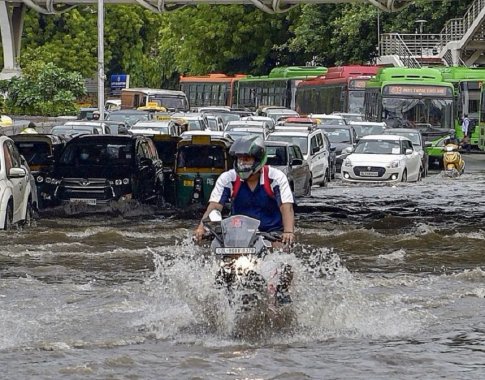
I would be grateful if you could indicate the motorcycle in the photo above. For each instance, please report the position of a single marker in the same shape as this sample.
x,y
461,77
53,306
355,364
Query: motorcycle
x,y
453,163
240,247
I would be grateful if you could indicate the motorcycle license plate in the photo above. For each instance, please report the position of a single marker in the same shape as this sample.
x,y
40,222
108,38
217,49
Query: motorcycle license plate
x,y
235,251
369,174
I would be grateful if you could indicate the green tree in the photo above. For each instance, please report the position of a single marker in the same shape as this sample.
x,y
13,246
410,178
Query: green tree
x,y
229,39
343,34
44,89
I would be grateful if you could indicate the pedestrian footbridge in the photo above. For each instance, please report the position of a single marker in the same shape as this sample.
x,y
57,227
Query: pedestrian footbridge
x,y
12,15
460,43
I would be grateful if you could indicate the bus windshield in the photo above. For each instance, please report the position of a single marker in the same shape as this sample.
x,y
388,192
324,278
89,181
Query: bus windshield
x,y
356,101
436,112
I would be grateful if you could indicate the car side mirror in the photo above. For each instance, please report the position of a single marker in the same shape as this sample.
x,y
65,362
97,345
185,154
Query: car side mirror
x,y
348,150
296,162
409,151
333,148
17,173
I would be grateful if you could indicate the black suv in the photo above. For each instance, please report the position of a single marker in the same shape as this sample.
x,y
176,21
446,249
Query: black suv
x,y
97,169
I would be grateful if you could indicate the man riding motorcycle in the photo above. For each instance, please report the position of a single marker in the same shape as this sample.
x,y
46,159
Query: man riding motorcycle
x,y
260,192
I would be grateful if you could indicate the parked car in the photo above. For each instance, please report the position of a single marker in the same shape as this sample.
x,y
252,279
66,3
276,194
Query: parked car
x,y
17,199
98,169
418,142
382,158
289,159
40,151
313,148
341,137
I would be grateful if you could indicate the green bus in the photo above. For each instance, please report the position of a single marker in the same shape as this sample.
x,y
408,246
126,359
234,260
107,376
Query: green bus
x,y
467,82
481,121
276,89
411,98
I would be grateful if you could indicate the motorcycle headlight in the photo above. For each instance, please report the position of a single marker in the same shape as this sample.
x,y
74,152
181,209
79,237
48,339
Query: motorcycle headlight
x,y
126,181
449,148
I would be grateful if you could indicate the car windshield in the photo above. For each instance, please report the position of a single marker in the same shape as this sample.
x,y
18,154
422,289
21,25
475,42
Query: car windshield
x,y
36,153
378,147
301,141
413,136
169,102
365,130
276,155
73,130
236,134
338,135
97,153
196,125
129,119
201,156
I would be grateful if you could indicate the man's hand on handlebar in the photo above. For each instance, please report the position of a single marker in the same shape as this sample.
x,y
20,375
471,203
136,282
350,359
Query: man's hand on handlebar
x,y
288,238
199,233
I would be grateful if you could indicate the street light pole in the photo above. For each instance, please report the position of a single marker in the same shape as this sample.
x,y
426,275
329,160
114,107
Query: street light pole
x,y
421,23
101,76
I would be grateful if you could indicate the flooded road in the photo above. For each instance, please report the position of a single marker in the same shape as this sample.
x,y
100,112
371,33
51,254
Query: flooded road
x,y
388,284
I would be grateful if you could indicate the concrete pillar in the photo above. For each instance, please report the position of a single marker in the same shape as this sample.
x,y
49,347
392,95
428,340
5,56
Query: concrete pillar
x,y
11,26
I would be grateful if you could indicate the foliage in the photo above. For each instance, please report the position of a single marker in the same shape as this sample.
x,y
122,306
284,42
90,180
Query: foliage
x,y
155,48
342,34
229,39
44,89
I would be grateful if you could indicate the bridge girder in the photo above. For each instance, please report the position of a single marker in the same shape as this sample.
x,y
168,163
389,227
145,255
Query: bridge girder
x,y
159,6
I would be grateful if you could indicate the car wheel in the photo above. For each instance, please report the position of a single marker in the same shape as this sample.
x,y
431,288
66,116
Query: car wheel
x,y
404,176
308,191
324,181
7,226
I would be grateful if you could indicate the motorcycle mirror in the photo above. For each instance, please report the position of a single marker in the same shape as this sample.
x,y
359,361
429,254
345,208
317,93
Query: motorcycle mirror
x,y
215,216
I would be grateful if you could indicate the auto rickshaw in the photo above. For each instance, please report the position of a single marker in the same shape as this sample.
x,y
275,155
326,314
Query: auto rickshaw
x,y
200,159
40,151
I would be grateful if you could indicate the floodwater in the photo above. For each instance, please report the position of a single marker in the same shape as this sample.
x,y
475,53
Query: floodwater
x,y
389,283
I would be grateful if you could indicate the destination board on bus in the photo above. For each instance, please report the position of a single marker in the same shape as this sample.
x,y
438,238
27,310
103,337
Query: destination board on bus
x,y
413,90
357,84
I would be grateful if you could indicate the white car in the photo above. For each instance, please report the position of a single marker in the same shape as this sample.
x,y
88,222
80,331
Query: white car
x,y
313,147
16,194
382,158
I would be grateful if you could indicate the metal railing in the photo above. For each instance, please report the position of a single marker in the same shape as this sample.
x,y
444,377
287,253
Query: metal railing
x,y
430,45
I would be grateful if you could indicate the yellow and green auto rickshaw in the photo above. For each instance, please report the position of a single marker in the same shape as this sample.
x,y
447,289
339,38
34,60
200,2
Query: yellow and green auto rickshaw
x,y
200,159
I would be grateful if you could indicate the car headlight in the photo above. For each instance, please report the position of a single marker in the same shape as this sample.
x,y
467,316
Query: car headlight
x,y
347,163
39,179
118,182
395,164
126,181
52,181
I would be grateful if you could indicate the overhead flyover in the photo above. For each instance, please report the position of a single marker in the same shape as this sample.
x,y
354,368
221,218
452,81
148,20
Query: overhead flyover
x,y
12,15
